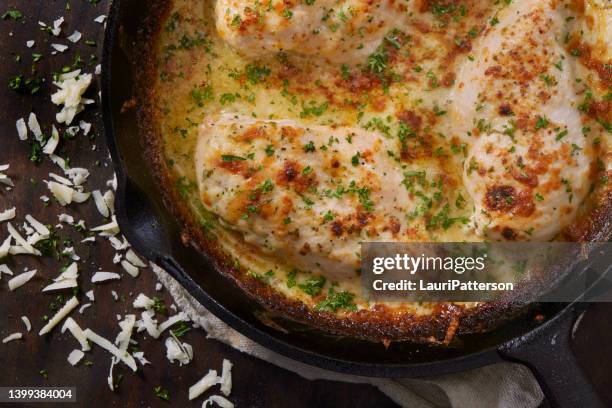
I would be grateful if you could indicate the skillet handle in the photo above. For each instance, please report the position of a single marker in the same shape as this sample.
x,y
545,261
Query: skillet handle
x,y
547,353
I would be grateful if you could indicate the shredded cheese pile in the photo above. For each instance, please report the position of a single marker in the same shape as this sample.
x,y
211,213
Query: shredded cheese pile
x,y
28,236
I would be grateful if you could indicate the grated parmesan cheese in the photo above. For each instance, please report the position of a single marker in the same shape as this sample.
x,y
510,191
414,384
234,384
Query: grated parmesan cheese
x,y
22,130
85,127
111,348
203,385
219,400
5,247
130,269
57,26
20,280
38,226
142,301
5,269
67,279
110,229
52,143
180,317
7,215
62,193
100,203
78,175
226,378
35,126
75,37
27,323
70,95
59,48
63,312
75,356
134,259
11,337
139,355
85,306
104,276
66,218
175,350
124,336
77,332
21,241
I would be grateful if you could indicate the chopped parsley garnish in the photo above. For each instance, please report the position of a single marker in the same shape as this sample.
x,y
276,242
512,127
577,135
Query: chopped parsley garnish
x,y
158,305
309,147
36,153
377,61
230,158
202,95
541,122
256,73
291,278
442,219
561,134
228,98
312,109
337,300
181,329
269,150
162,393
12,14
313,286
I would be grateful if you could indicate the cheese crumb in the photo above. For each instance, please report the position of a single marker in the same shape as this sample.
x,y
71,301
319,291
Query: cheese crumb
x,y
175,350
7,214
75,356
11,337
59,48
219,400
104,276
110,347
20,280
75,37
67,279
203,385
63,312
142,301
22,130
134,259
226,378
72,87
130,269
77,332
26,322
35,126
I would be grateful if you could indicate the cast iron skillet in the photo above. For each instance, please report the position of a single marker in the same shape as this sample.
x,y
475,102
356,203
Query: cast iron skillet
x,y
540,344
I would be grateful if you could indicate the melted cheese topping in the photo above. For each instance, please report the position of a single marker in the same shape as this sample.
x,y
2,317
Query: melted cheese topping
x,y
295,130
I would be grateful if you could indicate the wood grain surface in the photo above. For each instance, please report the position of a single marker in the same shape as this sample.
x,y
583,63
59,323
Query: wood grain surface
x,y
256,383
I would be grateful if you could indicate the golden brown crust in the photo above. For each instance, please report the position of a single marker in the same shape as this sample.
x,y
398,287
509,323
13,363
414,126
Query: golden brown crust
x,y
380,324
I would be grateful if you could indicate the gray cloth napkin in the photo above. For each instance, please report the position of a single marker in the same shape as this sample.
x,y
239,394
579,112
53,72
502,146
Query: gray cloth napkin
x,y
500,385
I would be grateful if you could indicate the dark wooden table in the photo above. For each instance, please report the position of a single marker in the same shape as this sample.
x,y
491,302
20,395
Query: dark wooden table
x,y
256,383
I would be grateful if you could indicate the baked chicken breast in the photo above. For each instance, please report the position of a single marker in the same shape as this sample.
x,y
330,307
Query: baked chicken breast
x,y
342,31
515,104
307,195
